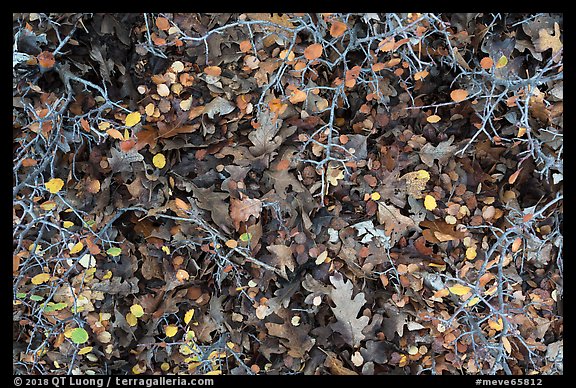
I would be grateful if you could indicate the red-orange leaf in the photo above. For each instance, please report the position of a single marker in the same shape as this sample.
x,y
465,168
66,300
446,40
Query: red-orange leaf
x,y
458,95
162,23
338,28
313,51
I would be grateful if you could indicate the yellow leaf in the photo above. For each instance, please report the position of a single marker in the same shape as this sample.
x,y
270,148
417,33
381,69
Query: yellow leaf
x,y
131,319
165,249
375,196
132,119
68,224
159,160
40,278
430,202
85,350
503,61
496,325
214,372
433,119
137,310
171,330
471,253
423,174
165,367
459,289
76,248
473,301
54,185
48,205
188,316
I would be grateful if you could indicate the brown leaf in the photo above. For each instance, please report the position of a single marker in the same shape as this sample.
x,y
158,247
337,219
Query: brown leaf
x,y
264,137
218,106
241,210
547,41
282,258
166,131
346,310
395,224
443,152
215,203
296,338
337,28
440,231
336,366
146,137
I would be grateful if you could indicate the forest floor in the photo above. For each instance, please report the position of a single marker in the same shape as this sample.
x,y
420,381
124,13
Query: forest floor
x,y
288,193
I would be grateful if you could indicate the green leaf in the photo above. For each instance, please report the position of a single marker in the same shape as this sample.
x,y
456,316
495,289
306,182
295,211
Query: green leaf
x,y
114,251
245,237
79,336
20,295
51,306
36,298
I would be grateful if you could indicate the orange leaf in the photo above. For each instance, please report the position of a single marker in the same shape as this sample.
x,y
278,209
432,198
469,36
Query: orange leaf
x,y
486,63
284,164
162,23
231,244
245,46
433,119
313,51
126,145
514,176
387,44
297,96
338,28
458,95
115,134
527,217
181,204
516,244
421,75
378,66
46,59
213,71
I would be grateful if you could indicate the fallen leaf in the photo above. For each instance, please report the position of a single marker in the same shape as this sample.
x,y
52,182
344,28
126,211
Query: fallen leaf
x,y
395,224
442,152
218,106
458,95
430,202
159,160
338,28
264,137
282,258
486,63
502,62
40,278
313,51
547,41
346,310
459,289
241,210
433,119
54,185
132,119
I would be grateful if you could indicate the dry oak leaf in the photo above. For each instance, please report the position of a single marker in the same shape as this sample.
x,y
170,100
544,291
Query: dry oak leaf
x,y
443,152
282,258
346,310
395,224
215,203
440,231
241,210
264,137
546,41
219,106
296,338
